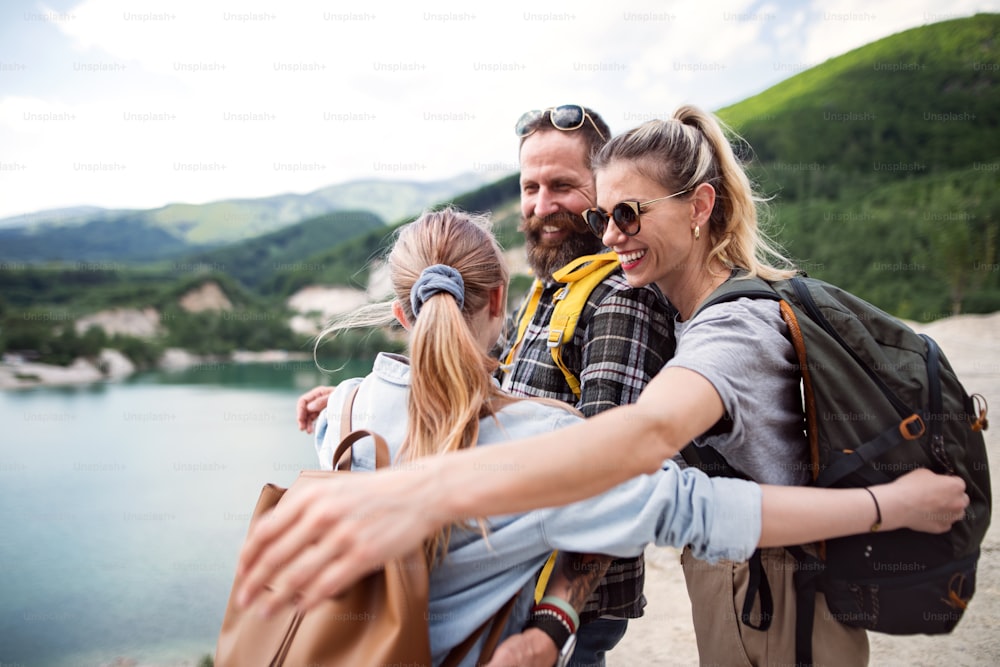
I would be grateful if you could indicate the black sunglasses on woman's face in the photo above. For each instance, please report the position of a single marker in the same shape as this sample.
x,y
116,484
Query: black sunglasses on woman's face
x,y
625,214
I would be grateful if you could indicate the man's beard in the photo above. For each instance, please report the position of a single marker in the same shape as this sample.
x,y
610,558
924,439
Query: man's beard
x,y
544,258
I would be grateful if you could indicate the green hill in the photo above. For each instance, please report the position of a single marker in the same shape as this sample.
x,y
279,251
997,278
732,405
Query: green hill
x,y
256,261
127,237
882,164
347,263
238,219
918,101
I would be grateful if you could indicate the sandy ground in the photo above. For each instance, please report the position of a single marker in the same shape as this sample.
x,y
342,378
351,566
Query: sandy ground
x,y
664,636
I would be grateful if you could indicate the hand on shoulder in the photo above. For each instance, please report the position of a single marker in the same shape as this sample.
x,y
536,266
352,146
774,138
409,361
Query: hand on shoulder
x,y
309,405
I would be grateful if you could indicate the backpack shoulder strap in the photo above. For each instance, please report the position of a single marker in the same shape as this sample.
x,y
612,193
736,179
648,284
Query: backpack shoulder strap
x,y
347,412
736,287
496,625
342,455
580,277
739,287
523,318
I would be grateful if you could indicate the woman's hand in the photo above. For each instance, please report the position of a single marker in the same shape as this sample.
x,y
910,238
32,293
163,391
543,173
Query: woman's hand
x,y
922,500
309,405
328,532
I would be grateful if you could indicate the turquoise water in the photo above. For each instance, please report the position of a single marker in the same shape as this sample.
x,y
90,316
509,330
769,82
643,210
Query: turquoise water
x,y
123,507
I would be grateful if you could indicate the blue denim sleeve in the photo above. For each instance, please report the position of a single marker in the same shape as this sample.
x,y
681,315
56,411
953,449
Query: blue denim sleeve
x,y
719,518
323,451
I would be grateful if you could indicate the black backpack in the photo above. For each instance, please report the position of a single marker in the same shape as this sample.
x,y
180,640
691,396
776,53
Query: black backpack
x,y
879,400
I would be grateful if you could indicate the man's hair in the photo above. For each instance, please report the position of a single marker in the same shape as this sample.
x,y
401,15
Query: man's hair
x,y
590,131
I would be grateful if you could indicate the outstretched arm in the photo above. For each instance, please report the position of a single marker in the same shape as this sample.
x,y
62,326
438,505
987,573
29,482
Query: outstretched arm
x,y
317,542
321,540
920,500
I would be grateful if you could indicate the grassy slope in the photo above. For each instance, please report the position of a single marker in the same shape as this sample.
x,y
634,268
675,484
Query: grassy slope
x,y
927,96
883,167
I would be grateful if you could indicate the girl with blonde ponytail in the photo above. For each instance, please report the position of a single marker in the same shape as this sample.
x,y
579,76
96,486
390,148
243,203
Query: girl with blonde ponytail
x,y
447,268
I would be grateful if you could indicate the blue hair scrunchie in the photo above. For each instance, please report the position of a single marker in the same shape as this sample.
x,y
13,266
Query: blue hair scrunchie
x,y
434,279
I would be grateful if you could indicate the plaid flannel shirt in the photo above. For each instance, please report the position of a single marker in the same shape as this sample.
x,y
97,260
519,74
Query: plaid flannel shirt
x,y
623,339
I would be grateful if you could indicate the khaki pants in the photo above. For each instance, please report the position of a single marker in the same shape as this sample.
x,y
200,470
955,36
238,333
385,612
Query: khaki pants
x,y
717,593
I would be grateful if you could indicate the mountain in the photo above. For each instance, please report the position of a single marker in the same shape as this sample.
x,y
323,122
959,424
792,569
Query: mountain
x,y
348,263
52,215
882,163
89,234
880,167
122,237
255,262
922,100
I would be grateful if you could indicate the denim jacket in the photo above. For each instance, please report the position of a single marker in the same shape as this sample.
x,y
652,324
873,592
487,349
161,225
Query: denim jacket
x,y
720,518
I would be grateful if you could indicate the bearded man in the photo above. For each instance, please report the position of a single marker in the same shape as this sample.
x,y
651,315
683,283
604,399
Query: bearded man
x,y
623,338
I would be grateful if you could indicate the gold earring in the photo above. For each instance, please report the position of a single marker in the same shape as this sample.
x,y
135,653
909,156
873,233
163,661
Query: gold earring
x,y
697,232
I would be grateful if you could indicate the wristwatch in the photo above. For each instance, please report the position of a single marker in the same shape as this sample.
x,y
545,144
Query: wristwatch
x,y
561,634
566,652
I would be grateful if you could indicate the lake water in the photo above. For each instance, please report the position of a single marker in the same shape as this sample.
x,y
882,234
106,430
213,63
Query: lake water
x,y
123,507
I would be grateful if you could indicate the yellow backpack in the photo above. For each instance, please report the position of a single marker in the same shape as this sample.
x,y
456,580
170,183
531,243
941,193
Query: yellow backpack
x,y
580,277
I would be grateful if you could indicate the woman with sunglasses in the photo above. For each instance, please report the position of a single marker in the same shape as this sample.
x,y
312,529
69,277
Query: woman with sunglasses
x,y
678,209
732,361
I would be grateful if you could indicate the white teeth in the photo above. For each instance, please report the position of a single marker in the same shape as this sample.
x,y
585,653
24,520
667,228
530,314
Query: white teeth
x,y
629,257
550,229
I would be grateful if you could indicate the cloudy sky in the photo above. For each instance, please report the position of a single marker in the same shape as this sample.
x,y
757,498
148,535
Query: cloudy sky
x,y
141,103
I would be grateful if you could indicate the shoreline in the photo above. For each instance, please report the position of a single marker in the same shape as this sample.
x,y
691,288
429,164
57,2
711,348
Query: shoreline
x,y
112,366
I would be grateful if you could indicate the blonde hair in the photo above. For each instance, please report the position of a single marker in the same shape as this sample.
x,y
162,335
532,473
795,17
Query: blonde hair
x,y
690,149
451,375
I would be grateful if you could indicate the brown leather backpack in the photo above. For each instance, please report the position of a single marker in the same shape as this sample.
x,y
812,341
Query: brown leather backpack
x,y
380,620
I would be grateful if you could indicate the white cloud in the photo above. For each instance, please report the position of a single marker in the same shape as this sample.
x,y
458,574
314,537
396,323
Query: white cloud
x,y
270,97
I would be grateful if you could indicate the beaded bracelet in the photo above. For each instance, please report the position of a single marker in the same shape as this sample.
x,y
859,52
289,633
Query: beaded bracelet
x,y
551,601
551,623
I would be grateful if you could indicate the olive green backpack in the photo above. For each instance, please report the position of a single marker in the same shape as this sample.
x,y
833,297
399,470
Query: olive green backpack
x,y
879,400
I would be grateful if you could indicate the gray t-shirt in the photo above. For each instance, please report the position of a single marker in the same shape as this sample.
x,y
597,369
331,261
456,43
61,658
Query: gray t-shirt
x,y
742,349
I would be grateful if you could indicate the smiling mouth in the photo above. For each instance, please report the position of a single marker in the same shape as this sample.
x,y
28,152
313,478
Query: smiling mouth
x,y
552,233
629,259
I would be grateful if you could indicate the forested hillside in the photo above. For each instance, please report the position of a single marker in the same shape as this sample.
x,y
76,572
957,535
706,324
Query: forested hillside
x,y
883,166
881,169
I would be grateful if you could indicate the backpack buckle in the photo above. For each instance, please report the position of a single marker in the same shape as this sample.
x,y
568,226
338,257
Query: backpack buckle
x,y
555,337
979,408
912,427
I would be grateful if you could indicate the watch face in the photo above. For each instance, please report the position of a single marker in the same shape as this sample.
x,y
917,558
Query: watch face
x,y
567,651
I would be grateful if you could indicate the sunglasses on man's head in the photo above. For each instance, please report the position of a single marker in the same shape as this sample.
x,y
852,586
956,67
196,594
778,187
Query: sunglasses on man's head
x,y
625,214
567,117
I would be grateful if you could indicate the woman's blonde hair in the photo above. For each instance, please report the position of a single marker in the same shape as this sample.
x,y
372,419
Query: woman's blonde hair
x,y
451,375
693,148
